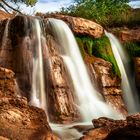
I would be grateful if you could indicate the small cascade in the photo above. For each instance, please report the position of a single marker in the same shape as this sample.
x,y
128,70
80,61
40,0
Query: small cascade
x,y
90,103
128,87
38,97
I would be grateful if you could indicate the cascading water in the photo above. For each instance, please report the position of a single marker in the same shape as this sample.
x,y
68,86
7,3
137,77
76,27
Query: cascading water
x,y
5,36
122,59
38,97
90,104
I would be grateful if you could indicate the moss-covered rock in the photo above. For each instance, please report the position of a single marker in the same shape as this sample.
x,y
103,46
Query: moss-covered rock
x,y
99,47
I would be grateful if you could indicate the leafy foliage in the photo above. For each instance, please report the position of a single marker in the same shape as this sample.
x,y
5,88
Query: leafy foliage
x,y
105,12
100,47
27,2
133,48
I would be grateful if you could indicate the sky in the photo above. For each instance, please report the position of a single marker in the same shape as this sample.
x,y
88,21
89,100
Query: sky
x,y
45,6
55,5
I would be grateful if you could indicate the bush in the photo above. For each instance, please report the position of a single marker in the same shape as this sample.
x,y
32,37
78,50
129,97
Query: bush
x,y
133,48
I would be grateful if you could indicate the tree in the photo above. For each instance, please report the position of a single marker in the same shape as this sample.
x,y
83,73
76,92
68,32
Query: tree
x,y
4,4
102,11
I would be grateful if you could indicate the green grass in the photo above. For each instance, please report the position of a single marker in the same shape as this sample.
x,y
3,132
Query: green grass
x,y
100,48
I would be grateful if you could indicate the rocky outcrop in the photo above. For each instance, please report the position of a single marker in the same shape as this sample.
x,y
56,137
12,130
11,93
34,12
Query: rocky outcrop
x,y
127,35
108,129
18,120
106,82
80,26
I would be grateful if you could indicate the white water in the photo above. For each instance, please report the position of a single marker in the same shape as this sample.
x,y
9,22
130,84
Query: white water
x,y
38,97
90,104
67,132
129,90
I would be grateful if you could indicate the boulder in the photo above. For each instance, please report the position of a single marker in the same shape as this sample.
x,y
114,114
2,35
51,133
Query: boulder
x,y
109,129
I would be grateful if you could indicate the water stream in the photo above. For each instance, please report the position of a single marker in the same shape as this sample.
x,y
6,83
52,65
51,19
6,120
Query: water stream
x,y
38,95
128,85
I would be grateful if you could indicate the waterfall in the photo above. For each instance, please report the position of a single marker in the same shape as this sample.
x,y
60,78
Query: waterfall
x,y
128,87
5,35
38,97
90,103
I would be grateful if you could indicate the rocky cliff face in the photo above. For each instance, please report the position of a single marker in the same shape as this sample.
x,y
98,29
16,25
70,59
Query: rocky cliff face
x,y
18,120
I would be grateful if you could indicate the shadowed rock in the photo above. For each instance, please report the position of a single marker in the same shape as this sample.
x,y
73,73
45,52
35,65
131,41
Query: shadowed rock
x,y
108,129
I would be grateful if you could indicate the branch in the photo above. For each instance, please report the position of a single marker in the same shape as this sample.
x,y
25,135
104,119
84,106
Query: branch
x,y
4,8
10,6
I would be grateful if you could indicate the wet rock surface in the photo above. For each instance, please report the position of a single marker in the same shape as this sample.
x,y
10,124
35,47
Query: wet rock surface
x,y
107,83
18,120
108,129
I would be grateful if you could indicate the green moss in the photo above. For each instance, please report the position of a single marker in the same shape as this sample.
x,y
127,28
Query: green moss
x,y
100,47
133,48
